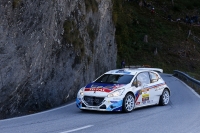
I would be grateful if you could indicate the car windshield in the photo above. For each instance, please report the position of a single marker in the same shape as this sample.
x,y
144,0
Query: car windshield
x,y
114,79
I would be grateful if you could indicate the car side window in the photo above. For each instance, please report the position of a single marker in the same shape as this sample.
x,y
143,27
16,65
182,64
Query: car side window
x,y
142,79
154,77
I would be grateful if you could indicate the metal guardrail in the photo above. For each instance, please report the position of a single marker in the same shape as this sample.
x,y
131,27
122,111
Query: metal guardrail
x,y
195,84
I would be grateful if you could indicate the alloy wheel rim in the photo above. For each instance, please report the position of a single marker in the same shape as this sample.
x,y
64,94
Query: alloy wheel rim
x,y
129,103
166,97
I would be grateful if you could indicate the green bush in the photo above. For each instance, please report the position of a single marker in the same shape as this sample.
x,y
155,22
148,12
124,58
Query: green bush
x,y
133,22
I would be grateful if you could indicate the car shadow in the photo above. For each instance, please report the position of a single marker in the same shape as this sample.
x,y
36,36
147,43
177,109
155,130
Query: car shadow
x,y
119,112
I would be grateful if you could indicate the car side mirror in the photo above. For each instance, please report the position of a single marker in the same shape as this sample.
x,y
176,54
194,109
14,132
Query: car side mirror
x,y
135,84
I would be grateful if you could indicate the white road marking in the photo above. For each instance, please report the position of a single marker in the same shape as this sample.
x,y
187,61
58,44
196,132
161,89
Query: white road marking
x,y
40,112
77,129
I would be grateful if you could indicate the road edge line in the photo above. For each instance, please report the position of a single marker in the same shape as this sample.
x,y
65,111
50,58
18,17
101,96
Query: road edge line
x,y
77,129
191,89
38,112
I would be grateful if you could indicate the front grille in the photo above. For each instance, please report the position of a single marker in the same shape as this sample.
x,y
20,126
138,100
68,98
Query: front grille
x,y
93,101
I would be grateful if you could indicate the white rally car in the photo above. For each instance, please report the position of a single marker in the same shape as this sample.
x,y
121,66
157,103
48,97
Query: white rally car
x,y
124,90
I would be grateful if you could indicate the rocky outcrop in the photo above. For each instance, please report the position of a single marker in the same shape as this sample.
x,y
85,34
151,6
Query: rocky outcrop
x,y
49,49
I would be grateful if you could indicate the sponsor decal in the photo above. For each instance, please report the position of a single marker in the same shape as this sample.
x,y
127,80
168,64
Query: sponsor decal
x,y
97,89
137,94
145,90
145,95
117,109
116,98
114,101
138,103
148,101
116,86
158,85
102,87
158,88
145,99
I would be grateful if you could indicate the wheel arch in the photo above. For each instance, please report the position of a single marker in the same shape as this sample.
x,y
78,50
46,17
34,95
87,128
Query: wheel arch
x,y
161,99
168,90
130,93
123,105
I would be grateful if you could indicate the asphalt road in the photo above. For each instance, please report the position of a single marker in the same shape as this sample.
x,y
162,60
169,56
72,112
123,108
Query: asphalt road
x,y
182,115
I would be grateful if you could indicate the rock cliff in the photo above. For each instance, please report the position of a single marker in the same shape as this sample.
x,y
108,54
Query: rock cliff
x,y
51,48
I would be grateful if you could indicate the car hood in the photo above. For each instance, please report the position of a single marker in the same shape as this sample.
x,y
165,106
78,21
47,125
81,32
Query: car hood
x,y
100,89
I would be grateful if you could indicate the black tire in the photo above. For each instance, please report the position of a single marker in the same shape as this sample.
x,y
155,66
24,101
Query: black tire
x,y
164,98
128,103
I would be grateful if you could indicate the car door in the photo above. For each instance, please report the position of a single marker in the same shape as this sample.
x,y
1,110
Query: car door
x,y
156,86
142,91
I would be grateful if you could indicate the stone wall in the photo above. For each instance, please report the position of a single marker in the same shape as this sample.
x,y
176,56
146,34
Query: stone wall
x,y
49,49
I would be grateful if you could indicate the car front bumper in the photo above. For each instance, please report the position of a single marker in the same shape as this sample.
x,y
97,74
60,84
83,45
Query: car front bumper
x,y
108,104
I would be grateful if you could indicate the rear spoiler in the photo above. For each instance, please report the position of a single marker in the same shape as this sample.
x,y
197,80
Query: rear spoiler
x,y
159,70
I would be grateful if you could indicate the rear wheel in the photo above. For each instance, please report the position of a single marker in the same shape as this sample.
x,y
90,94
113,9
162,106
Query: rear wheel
x,y
164,98
128,103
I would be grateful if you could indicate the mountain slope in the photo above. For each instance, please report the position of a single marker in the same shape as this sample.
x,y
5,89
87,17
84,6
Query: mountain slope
x,y
169,45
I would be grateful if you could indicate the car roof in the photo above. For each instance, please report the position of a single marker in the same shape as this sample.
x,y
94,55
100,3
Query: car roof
x,y
133,71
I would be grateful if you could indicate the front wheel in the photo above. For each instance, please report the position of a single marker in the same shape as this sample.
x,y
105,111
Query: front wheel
x,y
128,103
164,98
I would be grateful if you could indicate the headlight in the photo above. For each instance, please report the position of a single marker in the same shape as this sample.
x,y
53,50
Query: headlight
x,y
81,92
116,93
